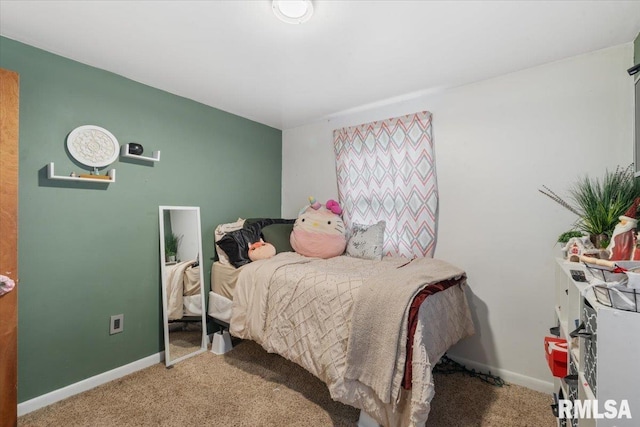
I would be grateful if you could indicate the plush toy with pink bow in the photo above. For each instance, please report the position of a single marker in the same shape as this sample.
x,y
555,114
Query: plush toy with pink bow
x,y
319,230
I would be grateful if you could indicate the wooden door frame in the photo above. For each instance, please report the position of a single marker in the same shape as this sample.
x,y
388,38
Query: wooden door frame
x,y
9,112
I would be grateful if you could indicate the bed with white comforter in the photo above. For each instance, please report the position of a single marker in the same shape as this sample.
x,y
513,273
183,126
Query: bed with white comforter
x,y
345,320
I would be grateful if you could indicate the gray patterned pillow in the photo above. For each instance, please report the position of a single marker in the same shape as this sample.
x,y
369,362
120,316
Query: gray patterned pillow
x,y
366,241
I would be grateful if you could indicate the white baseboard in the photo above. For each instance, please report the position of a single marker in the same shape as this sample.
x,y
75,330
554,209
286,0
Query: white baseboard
x,y
508,376
84,385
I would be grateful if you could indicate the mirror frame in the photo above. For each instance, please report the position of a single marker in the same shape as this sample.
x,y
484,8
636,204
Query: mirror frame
x,y
163,274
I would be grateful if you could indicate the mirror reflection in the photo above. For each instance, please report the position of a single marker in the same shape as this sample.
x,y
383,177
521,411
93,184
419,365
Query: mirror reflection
x,y
182,283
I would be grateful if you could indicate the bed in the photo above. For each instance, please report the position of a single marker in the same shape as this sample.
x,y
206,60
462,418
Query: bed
x,y
183,290
223,282
231,243
370,330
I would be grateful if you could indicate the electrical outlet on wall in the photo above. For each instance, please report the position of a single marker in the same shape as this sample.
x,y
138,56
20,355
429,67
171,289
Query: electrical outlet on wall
x,y
117,324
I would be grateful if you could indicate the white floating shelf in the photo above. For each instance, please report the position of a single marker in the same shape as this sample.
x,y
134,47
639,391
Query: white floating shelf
x,y
52,175
124,152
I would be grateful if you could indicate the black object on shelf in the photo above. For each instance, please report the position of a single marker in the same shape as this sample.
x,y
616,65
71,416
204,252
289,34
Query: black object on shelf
x,y
571,380
578,275
555,331
581,331
135,148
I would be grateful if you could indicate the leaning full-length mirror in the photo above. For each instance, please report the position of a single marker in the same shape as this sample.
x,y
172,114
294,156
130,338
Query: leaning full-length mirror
x,y
185,332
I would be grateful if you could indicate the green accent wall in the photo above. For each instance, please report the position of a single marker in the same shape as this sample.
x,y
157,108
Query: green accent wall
x,y
88,251
636,50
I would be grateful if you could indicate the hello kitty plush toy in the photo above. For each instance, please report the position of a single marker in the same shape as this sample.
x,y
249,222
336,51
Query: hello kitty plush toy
x,y
319,231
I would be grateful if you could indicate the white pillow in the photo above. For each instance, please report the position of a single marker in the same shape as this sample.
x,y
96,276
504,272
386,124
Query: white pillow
x,y
219,233
366,241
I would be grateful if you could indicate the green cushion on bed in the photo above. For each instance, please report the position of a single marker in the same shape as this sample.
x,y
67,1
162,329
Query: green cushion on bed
x,y
278,236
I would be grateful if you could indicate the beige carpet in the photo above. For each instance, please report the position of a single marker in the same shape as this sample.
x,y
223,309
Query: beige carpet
x,y
249,387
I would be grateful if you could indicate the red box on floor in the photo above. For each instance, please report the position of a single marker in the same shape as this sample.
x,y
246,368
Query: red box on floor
x,y
556,354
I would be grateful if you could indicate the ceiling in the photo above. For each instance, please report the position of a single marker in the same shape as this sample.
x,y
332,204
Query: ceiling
x,y
236,56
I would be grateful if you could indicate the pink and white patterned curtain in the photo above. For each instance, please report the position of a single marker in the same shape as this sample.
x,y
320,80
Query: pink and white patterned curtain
x,y
386,171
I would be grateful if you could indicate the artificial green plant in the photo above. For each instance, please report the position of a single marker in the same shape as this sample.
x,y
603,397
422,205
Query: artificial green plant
x,y
599,202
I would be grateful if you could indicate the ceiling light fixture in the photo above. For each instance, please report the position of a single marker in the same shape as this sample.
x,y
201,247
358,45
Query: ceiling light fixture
x,y
293,11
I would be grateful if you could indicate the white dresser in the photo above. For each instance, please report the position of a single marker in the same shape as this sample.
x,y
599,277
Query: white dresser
x,y
605,356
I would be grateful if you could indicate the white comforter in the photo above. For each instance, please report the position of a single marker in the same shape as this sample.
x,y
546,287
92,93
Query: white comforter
x,y
301,308
183,290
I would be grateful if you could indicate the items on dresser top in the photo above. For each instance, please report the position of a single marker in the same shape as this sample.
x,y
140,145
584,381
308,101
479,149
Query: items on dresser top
x,y
615,283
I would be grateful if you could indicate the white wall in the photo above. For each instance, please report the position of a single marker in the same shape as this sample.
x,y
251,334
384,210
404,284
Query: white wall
x,y
497,142
185,223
